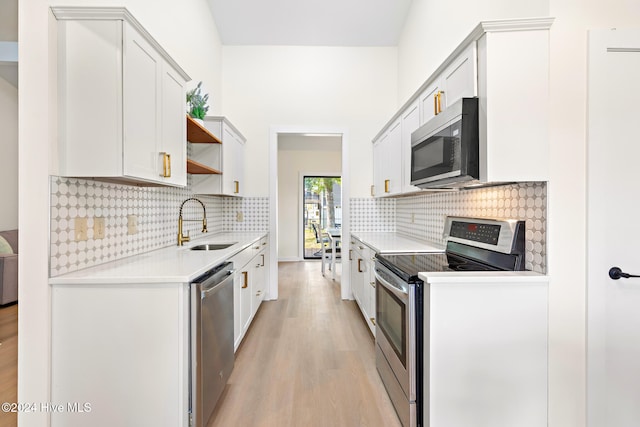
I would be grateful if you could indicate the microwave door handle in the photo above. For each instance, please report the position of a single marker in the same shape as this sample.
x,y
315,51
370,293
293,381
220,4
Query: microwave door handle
x,y
403,295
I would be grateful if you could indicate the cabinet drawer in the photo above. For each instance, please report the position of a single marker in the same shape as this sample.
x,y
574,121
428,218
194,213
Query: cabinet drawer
x,y
241,259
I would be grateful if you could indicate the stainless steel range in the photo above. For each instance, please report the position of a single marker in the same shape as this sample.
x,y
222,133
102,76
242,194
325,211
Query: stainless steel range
x,y
401,301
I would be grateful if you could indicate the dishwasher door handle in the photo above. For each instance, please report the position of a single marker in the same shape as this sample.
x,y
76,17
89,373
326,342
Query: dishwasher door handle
x,y
208,290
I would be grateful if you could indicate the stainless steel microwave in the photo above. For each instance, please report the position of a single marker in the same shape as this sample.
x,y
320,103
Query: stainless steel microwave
x,y
445,150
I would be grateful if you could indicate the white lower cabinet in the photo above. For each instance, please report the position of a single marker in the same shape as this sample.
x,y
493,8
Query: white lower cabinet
x,y
120,352
117,349
486,350
362,277
250,284
260,279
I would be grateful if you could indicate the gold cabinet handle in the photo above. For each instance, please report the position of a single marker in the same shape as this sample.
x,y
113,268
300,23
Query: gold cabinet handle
x,y
237,187
360,266
440,92
386,185
166,165
373,320
350,252
262,260
435,104
245,275
373,193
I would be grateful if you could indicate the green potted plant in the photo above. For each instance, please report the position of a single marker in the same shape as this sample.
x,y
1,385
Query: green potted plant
x,y
197,103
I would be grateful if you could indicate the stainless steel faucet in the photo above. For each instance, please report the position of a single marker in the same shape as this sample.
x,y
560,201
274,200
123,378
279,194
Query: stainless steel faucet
x,y
181,237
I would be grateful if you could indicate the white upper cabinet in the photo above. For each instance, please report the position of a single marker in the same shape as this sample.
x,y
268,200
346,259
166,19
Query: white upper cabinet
x,y
227,157
457,80
506,65
121,100
387,166
513,92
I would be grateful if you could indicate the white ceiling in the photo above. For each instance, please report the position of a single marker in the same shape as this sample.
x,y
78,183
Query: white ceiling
x,y
310,22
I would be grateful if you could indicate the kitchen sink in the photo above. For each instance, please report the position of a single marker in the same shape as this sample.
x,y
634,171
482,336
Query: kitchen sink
x,y
212,246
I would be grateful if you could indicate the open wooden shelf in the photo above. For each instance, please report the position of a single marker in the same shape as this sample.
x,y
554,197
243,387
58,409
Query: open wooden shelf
x,y
198,134
196,168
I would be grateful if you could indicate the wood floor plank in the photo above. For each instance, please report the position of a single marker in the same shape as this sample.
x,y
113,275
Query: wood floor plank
x,y
8,362
307,360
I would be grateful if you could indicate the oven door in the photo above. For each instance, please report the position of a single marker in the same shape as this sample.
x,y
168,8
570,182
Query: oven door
x,y
395,327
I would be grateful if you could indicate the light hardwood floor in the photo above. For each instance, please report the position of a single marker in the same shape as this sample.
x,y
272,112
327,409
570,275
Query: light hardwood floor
x,y
307,360
8,362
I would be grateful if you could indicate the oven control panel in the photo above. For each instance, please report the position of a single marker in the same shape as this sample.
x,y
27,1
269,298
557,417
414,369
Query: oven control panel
x,y
475,232
499,235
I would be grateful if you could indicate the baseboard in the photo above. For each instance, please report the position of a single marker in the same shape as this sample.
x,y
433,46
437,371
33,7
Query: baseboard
x,y
290,259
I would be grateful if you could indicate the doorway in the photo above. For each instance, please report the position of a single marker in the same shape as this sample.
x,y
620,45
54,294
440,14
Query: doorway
x,y
321,211
284,230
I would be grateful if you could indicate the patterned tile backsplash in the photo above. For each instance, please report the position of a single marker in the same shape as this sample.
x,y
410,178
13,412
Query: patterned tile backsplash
x,y
369,214
156,213
422,216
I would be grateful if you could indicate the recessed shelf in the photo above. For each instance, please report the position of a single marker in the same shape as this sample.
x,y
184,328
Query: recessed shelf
x,y
196,168
198,134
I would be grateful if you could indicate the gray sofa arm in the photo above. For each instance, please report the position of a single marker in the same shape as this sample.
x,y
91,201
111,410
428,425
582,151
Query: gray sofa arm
x,y
8,278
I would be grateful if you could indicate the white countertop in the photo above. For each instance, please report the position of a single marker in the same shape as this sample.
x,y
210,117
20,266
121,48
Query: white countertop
x,y
172,264
389,242
478,277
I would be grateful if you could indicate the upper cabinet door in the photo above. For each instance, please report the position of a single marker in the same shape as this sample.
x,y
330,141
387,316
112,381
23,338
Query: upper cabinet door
x,y
410,121
387,162
142,68
428,100
239,166
90,98
173,128
229,153
392,168
459,80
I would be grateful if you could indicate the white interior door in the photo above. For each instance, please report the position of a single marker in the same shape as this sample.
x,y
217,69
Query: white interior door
x,y
613,358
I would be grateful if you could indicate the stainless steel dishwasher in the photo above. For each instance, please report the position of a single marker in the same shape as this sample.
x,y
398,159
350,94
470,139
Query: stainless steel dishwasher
x,y
212,354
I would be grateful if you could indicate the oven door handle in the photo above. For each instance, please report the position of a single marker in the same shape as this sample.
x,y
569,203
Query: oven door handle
x,y
400,293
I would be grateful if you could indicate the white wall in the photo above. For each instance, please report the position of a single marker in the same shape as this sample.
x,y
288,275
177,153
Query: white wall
x,y
176,25
432,31
307,155
8,156
434,28
340,87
